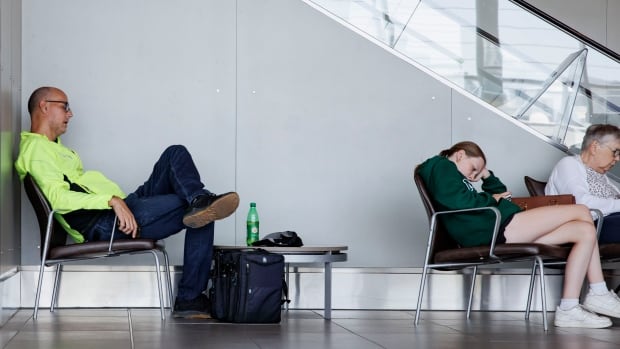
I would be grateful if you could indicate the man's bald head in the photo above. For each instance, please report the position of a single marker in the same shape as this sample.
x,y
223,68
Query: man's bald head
x,y
37,96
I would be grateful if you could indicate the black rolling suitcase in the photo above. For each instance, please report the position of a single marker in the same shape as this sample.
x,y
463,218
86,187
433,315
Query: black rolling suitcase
x,y
247,286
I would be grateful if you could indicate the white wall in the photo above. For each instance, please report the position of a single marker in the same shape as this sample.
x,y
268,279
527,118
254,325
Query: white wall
x,y
319,126
140,75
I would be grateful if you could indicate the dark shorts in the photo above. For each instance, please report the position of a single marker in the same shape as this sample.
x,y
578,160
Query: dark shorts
x,y
501,239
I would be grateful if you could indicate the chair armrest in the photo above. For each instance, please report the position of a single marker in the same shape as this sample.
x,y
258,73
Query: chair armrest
x,y
598,216
495,226
48,236
112,235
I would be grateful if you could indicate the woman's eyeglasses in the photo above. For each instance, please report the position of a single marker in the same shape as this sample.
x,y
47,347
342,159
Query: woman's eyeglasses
x,y
615,152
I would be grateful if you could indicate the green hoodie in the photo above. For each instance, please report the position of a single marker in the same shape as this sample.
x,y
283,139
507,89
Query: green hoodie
x,y
450,190
56,168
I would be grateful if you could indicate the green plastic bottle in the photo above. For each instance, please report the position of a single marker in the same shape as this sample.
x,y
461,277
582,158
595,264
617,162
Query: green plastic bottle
x,y
252,224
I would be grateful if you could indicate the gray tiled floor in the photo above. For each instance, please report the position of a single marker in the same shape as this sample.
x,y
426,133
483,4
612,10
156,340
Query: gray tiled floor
x,y
142,328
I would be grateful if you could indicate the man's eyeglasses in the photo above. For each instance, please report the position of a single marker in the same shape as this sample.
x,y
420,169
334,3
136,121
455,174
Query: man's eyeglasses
x,y
615,152
67,108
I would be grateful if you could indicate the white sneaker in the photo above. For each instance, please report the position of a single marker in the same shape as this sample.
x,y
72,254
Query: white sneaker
x,y
607,304
577,316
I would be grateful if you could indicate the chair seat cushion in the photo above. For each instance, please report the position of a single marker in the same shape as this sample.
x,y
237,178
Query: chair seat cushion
x,y
503,251
610,252
93,248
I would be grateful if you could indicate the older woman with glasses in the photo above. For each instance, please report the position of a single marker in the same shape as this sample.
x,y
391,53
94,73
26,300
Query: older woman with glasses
x,y
584,176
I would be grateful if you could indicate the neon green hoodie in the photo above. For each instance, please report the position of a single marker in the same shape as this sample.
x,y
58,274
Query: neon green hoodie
x,y
55,168
450,190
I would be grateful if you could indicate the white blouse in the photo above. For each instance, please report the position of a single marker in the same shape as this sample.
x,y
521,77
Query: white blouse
x,y
571,176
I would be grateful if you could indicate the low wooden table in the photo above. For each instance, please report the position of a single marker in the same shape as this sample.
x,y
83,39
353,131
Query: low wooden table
x,y
307,255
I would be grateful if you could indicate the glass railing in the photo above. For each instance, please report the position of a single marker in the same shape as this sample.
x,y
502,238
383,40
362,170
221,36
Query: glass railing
x,y
542,76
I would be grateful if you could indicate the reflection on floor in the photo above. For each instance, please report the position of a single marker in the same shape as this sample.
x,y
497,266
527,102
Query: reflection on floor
x,y
299,329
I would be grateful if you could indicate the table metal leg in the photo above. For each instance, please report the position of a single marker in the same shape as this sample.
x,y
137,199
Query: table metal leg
x,y
327,312
288,284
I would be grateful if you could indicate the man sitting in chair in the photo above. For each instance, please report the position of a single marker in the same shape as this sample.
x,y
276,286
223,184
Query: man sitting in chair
x,y
88,204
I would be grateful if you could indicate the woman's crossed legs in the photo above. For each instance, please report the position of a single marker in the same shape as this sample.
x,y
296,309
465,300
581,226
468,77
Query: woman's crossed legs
x,y
558,225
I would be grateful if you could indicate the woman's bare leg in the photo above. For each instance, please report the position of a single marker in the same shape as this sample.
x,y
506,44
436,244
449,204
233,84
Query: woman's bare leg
x,y
558,225
530,225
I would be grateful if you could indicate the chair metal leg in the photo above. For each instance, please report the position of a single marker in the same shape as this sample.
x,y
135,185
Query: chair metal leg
x,y
543,291
159,286
421,293
56,288
530,292
471,290
37,297
168,278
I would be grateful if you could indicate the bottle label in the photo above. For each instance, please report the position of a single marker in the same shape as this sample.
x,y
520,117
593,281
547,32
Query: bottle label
x,y
252,235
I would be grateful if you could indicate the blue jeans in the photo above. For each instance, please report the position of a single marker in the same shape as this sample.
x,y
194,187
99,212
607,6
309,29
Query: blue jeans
x,y
158,206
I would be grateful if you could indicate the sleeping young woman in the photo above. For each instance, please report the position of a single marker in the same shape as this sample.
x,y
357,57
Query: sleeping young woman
x,y
448,177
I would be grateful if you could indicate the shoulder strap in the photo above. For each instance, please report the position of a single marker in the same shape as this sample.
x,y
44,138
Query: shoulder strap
x,y
285,293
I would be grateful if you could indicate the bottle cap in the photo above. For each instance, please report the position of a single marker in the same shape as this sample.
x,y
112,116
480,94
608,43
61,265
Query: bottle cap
x,y
252,204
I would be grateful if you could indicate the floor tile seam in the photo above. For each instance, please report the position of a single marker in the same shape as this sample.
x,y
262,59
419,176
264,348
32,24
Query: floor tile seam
x,y
455,329
17,330
10,339
65,331
335,321
13,318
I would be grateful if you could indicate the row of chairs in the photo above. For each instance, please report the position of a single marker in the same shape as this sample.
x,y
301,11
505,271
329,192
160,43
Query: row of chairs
x,y
443,253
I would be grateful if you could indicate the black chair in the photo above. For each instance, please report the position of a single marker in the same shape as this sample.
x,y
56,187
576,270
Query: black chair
x,y
534,186
444,253
55,251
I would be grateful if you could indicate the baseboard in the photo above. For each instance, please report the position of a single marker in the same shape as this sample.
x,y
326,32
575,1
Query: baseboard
x,y
352,288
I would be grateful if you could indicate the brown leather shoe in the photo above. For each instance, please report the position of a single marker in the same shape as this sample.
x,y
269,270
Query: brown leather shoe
x,y
207,208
